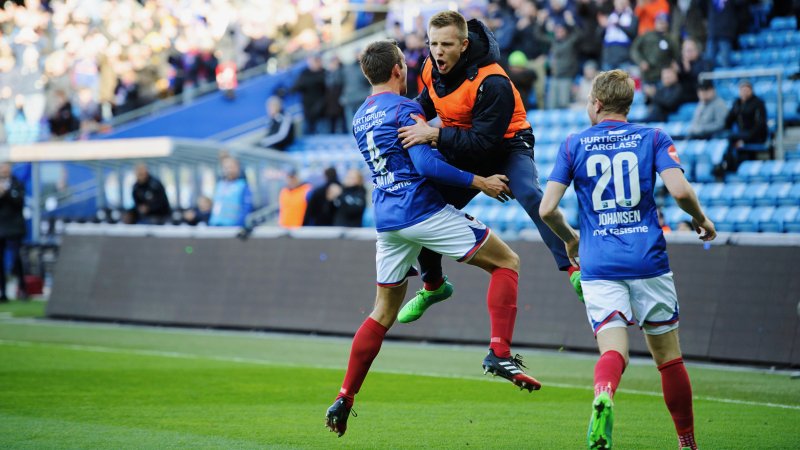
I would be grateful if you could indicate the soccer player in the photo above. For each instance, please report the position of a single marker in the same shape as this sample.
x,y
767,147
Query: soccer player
x,y
484,131
409,214
626,274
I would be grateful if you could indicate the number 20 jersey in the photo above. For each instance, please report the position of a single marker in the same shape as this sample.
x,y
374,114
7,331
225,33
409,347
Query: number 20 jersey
x,y
614,166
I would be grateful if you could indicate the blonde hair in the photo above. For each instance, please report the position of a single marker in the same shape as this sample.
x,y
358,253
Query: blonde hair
x,y
614,89
448,18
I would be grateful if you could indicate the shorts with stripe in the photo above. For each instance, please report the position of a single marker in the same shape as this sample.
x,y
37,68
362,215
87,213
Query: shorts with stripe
x,y
652,302
449,232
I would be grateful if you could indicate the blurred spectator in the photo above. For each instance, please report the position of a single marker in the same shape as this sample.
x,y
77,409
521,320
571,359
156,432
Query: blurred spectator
x,y
684,226
522,77
747,121
584,86
200,214
559,12
227,78
88,111
257,49
563,67
655,50
531,39
334,84
204,68
590,35
310,84
293,201
12,228
415,53
280,127
690,67
232,198
356,88
723,23
621,27
151,205
500,19
664,99
709,116
320,210
126,94
647,11
351,202
62,121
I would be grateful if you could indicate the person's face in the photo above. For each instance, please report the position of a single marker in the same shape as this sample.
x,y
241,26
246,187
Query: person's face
x,y
353,178
5,170
141,173
446,47
668,77
661,25
621,5
745,92
403,73
231,169
689,50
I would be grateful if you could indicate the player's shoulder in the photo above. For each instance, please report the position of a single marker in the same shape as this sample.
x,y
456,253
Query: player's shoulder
x,y
409,105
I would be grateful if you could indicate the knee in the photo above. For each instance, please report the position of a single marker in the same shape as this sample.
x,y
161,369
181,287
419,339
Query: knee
x,y
511,261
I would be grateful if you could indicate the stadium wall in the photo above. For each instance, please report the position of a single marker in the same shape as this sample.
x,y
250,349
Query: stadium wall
x,y
738,302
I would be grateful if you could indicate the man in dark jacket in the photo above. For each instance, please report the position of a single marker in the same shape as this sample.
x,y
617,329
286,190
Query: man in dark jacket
x,y
484,131
666,98
310,84
149,198
723,18
747,121
12,227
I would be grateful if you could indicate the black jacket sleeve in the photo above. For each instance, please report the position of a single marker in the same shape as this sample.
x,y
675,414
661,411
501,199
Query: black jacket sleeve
x,y
424,100
491,115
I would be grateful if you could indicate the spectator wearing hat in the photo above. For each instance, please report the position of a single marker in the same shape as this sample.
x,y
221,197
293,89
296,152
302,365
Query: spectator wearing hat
x,y
648,12
655,50
747,122
522,76
563,66
709,116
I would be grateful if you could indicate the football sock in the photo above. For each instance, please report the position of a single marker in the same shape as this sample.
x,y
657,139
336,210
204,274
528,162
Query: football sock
x,y
678,397
366,345
432,286
608,372
571,270
501,300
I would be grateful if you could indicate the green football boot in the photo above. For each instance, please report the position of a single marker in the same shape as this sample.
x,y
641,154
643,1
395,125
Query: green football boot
x,y
601,423
417,306
575,280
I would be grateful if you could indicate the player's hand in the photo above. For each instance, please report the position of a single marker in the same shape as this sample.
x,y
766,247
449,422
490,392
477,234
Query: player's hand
x,y
419,133
706,229
572,251
495,186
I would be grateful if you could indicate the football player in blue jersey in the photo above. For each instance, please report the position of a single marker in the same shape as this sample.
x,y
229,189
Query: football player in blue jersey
x,y
626,275
410,213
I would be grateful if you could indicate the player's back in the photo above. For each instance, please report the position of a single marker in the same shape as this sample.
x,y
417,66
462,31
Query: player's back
x,y
401,196
614,166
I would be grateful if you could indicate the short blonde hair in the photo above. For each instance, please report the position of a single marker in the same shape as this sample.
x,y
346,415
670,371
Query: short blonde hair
x,y
447,18
614,89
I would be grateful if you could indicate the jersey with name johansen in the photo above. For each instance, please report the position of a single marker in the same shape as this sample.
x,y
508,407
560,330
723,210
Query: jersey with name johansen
x,y
402,197
614,166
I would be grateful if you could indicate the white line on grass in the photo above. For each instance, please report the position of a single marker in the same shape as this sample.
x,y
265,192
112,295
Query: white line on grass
x,y
266,362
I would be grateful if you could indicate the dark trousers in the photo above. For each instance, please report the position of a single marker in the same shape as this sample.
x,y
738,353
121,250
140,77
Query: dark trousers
x,y
523,177
14,245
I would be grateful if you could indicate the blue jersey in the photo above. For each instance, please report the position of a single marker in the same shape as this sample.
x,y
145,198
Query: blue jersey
x,y
402,196
614,166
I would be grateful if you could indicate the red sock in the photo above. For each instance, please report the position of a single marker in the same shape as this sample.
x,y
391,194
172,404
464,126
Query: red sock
x,y
608,372
571,269
366,345
433,285
678,397
502,303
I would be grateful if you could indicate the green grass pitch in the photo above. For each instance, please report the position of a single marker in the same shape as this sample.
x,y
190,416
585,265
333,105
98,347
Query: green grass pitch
x,y
68,385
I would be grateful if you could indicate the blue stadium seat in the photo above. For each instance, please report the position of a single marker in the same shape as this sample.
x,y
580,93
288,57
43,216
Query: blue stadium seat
x,y
731,193
752,194
673,215
736,216
780,218
793,198
783,23
790,171
767,170
759,216
712,194
545,153
717,214
777,194
703,171
747,171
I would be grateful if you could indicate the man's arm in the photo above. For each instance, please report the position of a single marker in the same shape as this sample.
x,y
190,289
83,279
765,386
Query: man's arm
x,y
551,215
684,195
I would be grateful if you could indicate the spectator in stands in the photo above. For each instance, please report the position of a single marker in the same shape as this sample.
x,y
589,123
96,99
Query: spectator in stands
x,y
126,94
415,52
521,76
257,49
647,11
351,201
88,111
12,228
151,205
502,22
690,67
723,24
584,86
709,116
232,198
200,213
747,122
62,121
334,84
665,98
531,39
356,88
320,210
280,127
204,68
293,201
621,27
655,50
590,35
563,67
310,84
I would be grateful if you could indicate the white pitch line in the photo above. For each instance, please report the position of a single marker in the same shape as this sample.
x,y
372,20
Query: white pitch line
x,y
266,362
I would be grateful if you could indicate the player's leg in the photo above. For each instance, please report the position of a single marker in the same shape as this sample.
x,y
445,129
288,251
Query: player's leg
x,y
608,310
657,305
435,286
394,257
502,263
523,177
